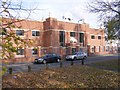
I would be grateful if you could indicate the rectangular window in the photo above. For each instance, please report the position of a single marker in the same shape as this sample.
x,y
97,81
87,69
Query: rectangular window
x,y
34,51
72,34
3,31
99,37
35,33
92,37
20,52
62,38
20,32
81,37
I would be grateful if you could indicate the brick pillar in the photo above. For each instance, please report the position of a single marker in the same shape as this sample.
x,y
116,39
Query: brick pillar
x,y
77,48
69,50
95,49
27,54
39,51
88,50
104,49
51,49
61,52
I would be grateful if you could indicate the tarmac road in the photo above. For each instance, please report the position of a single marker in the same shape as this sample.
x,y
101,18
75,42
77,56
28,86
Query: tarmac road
x,y
35,67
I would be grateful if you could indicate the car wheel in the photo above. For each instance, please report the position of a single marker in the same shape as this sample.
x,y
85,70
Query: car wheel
x,y
44,61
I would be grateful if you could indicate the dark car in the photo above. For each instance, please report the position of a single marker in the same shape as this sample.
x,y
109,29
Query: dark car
x,y
48,58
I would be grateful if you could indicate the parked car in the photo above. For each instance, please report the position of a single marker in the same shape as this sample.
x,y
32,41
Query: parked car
x,y
48,58
76,56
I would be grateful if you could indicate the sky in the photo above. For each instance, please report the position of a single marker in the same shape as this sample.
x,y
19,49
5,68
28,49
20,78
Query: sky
x,y
74,9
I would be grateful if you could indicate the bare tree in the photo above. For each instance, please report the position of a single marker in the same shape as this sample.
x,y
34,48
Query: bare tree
x,y
10,14
108,13
105,9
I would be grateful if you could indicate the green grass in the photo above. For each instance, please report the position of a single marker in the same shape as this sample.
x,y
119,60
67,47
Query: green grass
x,y
108,65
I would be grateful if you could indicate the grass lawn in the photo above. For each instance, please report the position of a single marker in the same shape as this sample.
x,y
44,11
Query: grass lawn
x,y
107,65
76,76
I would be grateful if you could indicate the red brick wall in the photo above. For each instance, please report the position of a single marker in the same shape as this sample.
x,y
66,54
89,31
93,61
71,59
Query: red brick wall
x,y
49,35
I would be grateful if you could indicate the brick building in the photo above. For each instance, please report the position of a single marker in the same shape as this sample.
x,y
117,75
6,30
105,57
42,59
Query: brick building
x,y
53,36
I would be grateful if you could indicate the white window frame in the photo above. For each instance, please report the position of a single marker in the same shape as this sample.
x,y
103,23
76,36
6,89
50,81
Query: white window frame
x,y
20,35
35,33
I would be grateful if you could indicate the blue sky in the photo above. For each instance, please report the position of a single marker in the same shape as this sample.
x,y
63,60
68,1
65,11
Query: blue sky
x,y
74,9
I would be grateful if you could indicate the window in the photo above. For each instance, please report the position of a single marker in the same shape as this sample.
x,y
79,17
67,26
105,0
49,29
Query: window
x,y
81,37
92,37
35,33
34,51
99,37
20,32
73,50
3,31
62,38
20,52
72,34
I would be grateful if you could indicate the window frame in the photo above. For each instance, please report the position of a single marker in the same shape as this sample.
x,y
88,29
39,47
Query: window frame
x,y
62,38
99,38
35,33
20,51
81,37
92,36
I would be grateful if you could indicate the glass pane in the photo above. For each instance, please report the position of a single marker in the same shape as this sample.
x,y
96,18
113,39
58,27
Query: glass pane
x,y
62,38
20,32
72,34
33,33
81,37
37,33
